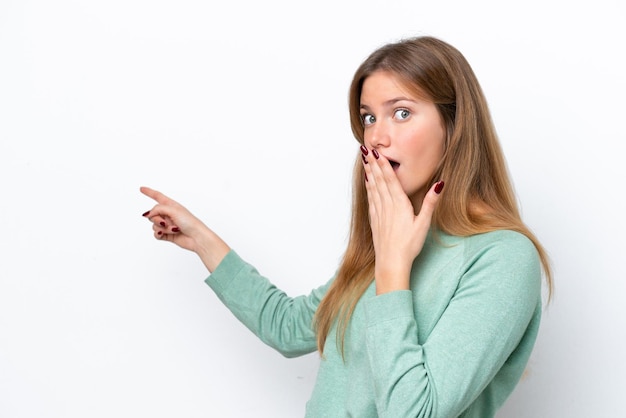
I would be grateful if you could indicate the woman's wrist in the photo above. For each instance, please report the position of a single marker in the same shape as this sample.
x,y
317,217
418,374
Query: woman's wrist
x,y
210,248
391,279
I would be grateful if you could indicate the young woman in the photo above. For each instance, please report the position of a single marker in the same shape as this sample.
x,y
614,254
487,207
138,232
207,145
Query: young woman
x,y
436,305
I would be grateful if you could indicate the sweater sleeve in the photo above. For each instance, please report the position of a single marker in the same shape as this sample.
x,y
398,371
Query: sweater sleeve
x,y
282,322
498,294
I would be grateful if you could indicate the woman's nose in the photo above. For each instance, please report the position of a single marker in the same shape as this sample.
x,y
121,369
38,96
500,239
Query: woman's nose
x,y
379,135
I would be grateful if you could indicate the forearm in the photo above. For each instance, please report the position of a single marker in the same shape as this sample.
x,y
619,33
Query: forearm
x,y
282,322
396,359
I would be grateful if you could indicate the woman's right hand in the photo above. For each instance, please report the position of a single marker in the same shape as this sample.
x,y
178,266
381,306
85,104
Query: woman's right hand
x,y
173,222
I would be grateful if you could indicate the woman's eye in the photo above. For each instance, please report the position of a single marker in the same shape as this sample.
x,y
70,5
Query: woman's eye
x,y
368,119
402,114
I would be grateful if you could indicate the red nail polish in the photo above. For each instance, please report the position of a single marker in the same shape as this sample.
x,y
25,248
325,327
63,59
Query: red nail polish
x,y
159,233
439,187
364,150
364,159
176,229
146,213
376,155
162,223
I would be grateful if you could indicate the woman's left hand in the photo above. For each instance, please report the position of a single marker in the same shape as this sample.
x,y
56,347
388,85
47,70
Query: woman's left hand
x,y
398,233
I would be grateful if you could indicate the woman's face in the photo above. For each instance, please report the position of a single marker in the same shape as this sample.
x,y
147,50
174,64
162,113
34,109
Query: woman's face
x,y
405,128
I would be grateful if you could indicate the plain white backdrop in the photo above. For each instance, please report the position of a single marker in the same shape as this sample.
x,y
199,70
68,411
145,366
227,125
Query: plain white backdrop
x,y
239,111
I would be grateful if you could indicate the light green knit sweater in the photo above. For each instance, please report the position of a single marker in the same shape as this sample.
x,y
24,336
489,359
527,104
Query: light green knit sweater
x,y
456,344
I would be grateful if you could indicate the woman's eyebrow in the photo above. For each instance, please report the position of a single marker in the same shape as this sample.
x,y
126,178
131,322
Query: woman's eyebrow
x,y
395,100
391,102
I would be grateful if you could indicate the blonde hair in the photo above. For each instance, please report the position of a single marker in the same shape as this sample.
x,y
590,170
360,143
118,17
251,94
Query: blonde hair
x,y
479,196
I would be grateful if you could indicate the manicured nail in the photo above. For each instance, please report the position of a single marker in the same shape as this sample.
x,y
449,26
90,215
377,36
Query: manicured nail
x,y
146,213
163,224
159,233
439,187
176,229
364,150
364,159
376,155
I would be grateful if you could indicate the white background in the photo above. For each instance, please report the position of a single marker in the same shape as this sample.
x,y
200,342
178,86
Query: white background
x,y
239,111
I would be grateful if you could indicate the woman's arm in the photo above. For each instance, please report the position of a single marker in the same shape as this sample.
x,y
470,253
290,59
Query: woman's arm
x,y
486,332
282,322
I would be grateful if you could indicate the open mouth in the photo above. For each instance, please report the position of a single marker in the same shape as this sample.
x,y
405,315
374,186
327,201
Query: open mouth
x,y
394,164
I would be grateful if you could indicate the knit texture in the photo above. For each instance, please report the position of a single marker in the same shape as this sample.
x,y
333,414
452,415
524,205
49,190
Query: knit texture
x,y
456,344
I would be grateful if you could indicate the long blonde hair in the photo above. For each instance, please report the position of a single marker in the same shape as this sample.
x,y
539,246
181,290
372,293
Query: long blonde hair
x,y
479,196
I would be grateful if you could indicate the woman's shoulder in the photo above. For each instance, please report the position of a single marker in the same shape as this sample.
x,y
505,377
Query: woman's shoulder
x,y
501,237
502,247
508,252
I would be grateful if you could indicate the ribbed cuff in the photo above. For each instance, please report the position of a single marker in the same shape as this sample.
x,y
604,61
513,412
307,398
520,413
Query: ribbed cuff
x,y
226,270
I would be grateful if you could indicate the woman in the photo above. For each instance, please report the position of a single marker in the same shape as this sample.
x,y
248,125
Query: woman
x,y
436,305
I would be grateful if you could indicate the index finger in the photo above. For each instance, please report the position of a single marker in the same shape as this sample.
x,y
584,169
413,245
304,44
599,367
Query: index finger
x,y
154,194
387,179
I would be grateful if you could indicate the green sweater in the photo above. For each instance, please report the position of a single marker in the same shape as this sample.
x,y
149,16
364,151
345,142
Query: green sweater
x,y
456,344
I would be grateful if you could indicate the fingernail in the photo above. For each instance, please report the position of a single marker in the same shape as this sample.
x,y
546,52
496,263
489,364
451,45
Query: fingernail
x,y
376,155
146,213
364,150
159,233
162,223
439,187
364,159
176,229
